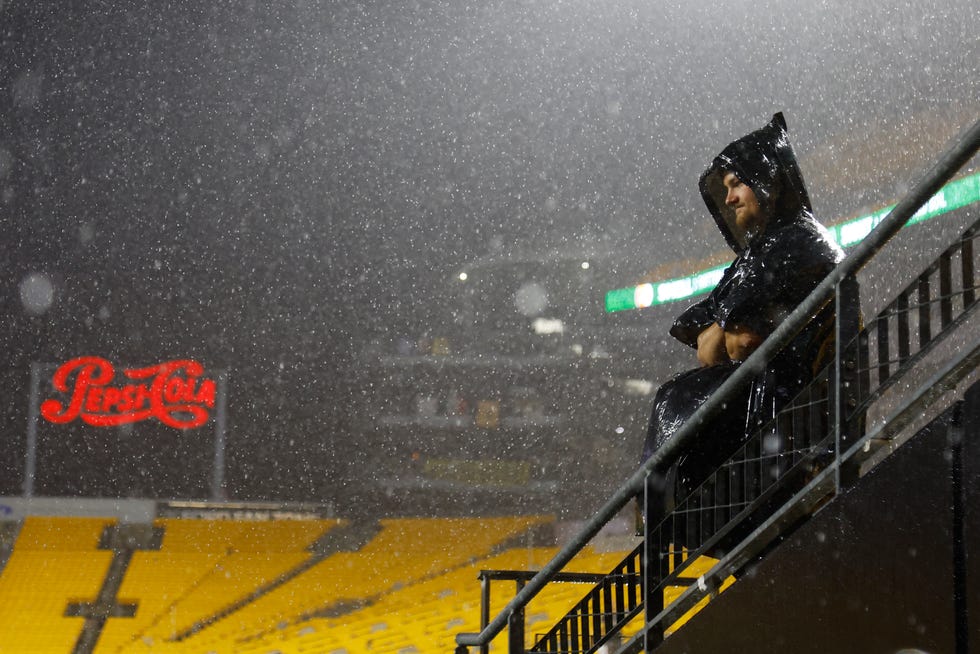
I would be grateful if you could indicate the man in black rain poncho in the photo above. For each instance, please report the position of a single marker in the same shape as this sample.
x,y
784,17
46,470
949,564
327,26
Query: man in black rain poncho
x,y
755,192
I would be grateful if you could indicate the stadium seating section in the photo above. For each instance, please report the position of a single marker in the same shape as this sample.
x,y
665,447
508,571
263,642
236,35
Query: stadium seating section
x,y
55,562
265,587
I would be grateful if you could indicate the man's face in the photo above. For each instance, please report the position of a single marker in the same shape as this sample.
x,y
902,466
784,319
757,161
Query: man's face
x,y
740,197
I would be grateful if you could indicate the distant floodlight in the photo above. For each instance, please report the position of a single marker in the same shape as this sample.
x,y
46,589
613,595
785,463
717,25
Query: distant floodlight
x,y
585,265
463,276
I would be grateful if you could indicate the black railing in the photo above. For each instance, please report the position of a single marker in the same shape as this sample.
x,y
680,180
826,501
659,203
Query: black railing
x,y
613,591
615,600
797,461
910,326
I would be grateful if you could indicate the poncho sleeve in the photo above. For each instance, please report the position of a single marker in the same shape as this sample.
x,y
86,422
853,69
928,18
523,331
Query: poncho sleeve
x,y
770,284
701,315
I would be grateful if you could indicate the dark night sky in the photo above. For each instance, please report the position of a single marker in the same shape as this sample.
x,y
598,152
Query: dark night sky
x,y
264,185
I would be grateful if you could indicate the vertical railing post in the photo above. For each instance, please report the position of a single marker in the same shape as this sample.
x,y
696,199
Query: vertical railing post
x,y
515,626
653,562
955,433
963,453
484,609
844,388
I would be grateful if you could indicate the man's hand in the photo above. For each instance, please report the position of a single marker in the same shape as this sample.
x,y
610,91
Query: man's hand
x,y
716,345
740,342
712,346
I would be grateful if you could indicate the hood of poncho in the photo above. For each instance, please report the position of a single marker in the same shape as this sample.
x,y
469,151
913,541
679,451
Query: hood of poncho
x,y
765,161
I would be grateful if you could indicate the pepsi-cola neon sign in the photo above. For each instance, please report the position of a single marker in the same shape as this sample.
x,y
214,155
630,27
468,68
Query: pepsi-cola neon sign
x,y
174,392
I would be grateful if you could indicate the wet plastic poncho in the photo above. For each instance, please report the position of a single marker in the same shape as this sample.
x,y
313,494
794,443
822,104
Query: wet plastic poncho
x,y
775,269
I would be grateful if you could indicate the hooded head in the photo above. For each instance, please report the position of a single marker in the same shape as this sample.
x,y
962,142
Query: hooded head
x,y
765,162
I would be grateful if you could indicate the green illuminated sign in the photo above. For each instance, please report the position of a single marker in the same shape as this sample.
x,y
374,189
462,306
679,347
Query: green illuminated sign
x,y
954,195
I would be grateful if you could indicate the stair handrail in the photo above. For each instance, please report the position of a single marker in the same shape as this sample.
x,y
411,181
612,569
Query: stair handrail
x,y
952,159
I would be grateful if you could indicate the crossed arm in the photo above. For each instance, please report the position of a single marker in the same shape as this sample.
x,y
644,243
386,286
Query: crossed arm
x,y
717,345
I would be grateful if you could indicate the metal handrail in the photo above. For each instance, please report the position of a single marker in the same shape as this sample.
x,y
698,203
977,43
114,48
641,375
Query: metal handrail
x,y
941,172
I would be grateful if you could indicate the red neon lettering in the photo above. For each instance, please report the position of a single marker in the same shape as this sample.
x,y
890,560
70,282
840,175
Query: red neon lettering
x,y
111,399
172,392
205,394
93,401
